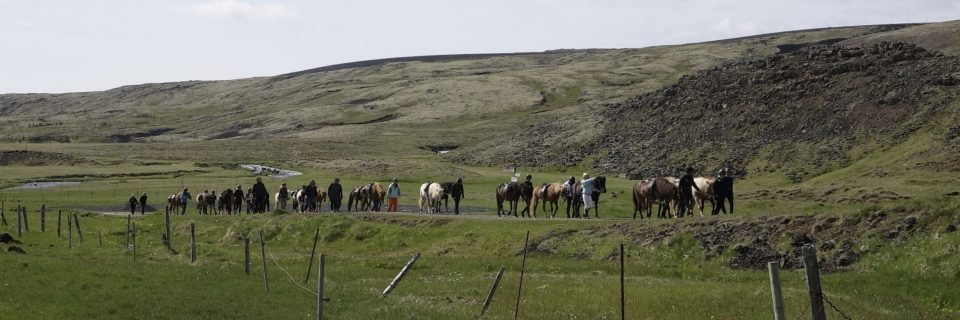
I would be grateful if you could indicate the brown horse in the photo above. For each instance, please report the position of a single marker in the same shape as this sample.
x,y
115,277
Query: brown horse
x,y
641,199
375,194
664,192
509,192
321,197
548,193
226,201
575,201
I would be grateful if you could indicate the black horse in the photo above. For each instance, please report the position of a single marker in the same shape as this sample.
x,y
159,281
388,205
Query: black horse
x,y
575,200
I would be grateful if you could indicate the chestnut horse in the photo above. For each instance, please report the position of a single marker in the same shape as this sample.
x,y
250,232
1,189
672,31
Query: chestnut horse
x,y
509,192
664,191
548,193
375,195
641,198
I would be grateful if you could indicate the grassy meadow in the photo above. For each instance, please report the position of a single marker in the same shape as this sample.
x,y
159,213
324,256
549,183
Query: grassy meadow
x,y
669,279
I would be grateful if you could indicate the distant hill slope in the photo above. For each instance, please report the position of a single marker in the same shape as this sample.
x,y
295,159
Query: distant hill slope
x,y
812,106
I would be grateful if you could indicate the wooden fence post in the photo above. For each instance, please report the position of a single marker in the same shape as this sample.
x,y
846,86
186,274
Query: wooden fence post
x,y
516,312
76,220
812,270
623,296
774,268
26,222
493,290
128,232
396,280
69,233
43,218
19,223
263,258
59,220
133,235
312,255
3,216
100,238
193,244
168,240
320,287
246,255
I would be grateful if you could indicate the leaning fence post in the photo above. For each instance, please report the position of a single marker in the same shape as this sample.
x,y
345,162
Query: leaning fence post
x,y
193,244
403,272
246,254
263,258
76,221
812,269
774,269
320,287
43,218
516,312
3,216
493,290
312,255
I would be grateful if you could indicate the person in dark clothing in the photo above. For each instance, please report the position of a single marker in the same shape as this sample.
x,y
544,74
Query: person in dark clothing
x,y
143,204
238,200
260,195
335,193
457,193
284,195
526,193
311,196
133,203
723,191
687,186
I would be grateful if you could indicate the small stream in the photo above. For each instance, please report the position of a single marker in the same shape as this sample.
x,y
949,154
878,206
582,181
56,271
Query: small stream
x,y
271,172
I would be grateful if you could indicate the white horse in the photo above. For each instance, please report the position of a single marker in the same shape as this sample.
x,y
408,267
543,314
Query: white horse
x,y
706,192
430,196
424,195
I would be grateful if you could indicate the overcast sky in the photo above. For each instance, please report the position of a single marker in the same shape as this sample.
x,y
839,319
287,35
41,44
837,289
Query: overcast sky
x,y
85,45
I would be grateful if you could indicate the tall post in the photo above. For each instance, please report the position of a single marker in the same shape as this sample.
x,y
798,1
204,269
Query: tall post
x,y
59,221
43,218
774,268
263,258
133,235
19,223
76,220
193,244
320,287
623,296
166,228
312,254
493,290
812,270
396,280
26,223
3,216
246,255
69,233
523,265
100,238
128,232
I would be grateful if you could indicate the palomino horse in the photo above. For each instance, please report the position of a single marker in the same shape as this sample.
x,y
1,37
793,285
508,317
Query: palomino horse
x,y
706,192
375,195
509,192
321,197
663,190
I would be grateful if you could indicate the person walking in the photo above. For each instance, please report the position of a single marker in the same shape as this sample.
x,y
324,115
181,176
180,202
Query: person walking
x,y
238,200
283,196
457,194
260,195
393,195
687,185
526,193
184,199
133,203
587,185
311,196
335,193
143,204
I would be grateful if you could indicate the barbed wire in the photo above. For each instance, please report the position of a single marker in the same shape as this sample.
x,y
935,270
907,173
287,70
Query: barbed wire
x,y
844,315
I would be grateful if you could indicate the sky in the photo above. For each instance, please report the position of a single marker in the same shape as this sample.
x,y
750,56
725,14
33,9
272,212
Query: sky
x,y
91,45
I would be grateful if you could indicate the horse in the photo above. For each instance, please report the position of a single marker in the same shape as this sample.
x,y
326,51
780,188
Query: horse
x,y
722,191
430,195
353,199
174,204
548,193
601,187
226,201
375,194
664,190
363,198
281,200
509,192
321,197
202,202
706,192
641,198
447,189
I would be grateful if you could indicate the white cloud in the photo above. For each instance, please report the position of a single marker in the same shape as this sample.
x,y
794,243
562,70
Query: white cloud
x,y
224,9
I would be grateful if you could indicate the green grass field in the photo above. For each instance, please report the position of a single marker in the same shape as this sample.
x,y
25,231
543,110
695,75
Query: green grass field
x,y
673,278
